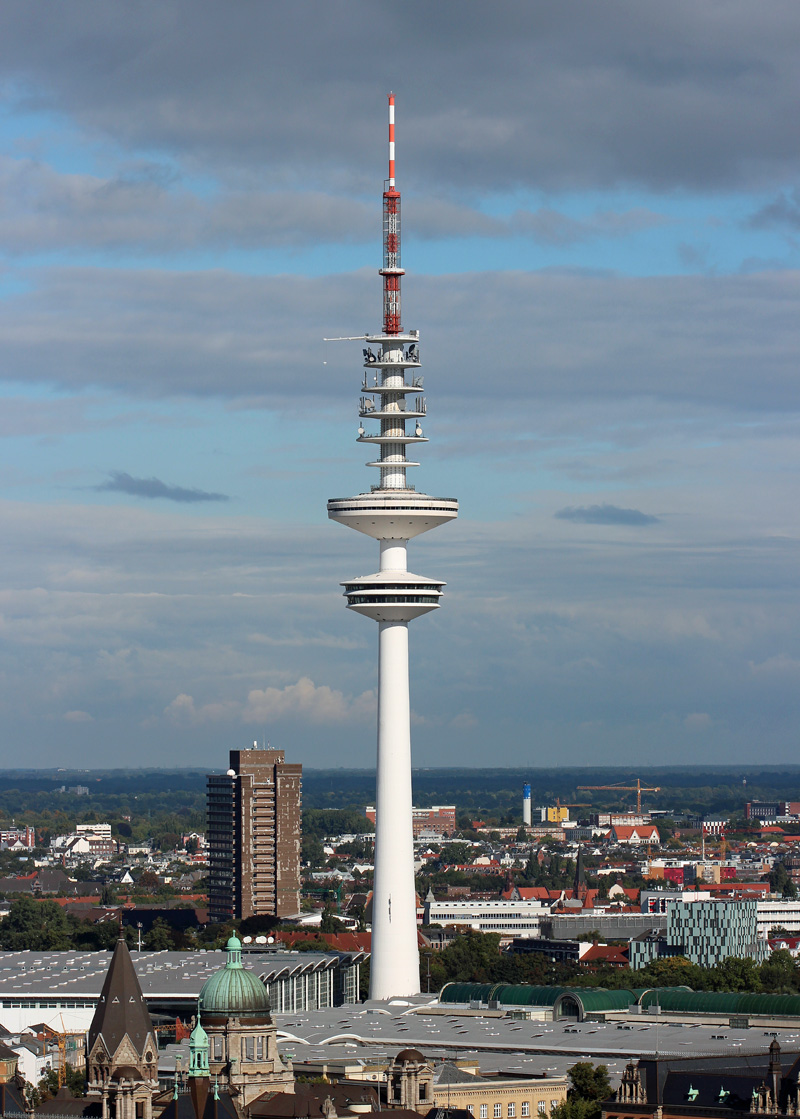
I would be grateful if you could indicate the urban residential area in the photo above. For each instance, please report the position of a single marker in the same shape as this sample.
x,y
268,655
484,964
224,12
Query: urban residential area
x,y
489,806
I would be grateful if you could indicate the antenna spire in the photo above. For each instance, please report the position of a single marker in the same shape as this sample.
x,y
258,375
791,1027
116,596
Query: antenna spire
x,y
391,270
391,141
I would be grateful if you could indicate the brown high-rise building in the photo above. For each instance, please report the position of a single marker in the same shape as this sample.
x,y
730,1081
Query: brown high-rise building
x,y
254,837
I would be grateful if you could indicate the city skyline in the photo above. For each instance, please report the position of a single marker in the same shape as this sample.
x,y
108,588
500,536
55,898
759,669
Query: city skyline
x,y
601,220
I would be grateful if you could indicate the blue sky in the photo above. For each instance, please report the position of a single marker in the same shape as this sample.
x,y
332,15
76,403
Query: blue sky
x,y
601,232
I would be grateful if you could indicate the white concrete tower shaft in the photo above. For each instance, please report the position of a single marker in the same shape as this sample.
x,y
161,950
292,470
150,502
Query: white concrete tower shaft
x,y
393,513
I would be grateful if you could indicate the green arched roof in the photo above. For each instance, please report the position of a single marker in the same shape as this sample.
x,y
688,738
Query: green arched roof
x,y
520,994
721,1002
598,999
466,992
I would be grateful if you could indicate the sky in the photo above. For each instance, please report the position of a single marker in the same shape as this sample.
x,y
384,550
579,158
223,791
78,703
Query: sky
x,y
601,237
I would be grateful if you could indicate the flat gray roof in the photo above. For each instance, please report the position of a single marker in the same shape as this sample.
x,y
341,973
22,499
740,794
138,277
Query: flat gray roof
x,y
504,1044
60,975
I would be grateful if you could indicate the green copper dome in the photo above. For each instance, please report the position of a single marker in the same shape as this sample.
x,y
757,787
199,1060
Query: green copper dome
x,y
233,991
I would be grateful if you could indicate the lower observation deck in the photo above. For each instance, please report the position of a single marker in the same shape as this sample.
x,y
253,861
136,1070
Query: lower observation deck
x,y
393,596
392,514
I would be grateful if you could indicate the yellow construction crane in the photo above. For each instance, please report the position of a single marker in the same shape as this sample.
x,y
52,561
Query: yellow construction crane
x,y
638,788
60,1036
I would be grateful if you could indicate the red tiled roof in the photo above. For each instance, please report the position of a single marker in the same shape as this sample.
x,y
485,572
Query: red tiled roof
x,y
339,942
792,942
611,954
625,831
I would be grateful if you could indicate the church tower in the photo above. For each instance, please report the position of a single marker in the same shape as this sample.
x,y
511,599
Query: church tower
x,y
242,1042
122,1054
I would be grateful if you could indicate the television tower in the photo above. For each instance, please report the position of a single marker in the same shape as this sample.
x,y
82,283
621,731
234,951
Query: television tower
x,y
392,513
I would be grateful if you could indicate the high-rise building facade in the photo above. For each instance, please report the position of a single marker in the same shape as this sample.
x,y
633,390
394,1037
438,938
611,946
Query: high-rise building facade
x,y
254,836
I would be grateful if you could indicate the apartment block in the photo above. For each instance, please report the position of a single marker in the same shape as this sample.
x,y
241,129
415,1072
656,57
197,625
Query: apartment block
x,y
254,836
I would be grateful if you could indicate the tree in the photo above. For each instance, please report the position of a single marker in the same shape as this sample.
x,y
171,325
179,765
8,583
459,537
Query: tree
x,y
780,882
108,895
38,926
472,958
160,938
47,1087
738,974
589,1087
148,880
312,852
99,937
778,973
575,1108
330,923
674,971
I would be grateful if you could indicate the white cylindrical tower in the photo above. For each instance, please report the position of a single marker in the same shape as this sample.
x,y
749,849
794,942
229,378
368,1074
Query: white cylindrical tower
x,y
526,805
393,513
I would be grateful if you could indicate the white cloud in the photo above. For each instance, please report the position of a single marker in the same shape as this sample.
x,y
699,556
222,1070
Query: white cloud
x,y
465,720
182,710
305,701
77,717
698,720
777,666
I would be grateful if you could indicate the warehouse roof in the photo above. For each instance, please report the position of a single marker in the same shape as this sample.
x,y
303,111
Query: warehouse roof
x,y
60,975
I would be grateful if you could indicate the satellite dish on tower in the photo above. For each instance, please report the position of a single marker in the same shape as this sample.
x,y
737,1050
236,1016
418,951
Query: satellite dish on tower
x,y
261,940
247,940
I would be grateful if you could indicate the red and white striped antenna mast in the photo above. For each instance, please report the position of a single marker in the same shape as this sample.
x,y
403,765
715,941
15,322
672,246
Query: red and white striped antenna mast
x,y
391,270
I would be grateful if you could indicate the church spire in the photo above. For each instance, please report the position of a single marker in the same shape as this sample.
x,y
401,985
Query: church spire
x,y
122,1054
122,1012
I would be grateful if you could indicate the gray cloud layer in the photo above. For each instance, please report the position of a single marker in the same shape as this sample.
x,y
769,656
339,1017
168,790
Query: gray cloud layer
x,y
164,632
491,96
46,210
725,341
605,515
119,482
781,212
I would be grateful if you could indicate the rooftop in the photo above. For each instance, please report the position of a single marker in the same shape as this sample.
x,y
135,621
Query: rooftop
x,y
59,975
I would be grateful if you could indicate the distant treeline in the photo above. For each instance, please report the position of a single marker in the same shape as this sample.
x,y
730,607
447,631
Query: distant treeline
x,y
154,795
497,793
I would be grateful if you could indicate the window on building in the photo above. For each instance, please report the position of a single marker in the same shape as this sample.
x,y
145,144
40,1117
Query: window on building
x,y
512,1111
484,1111
498,1111
526,1109
542,1107
471,1108
554,1104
